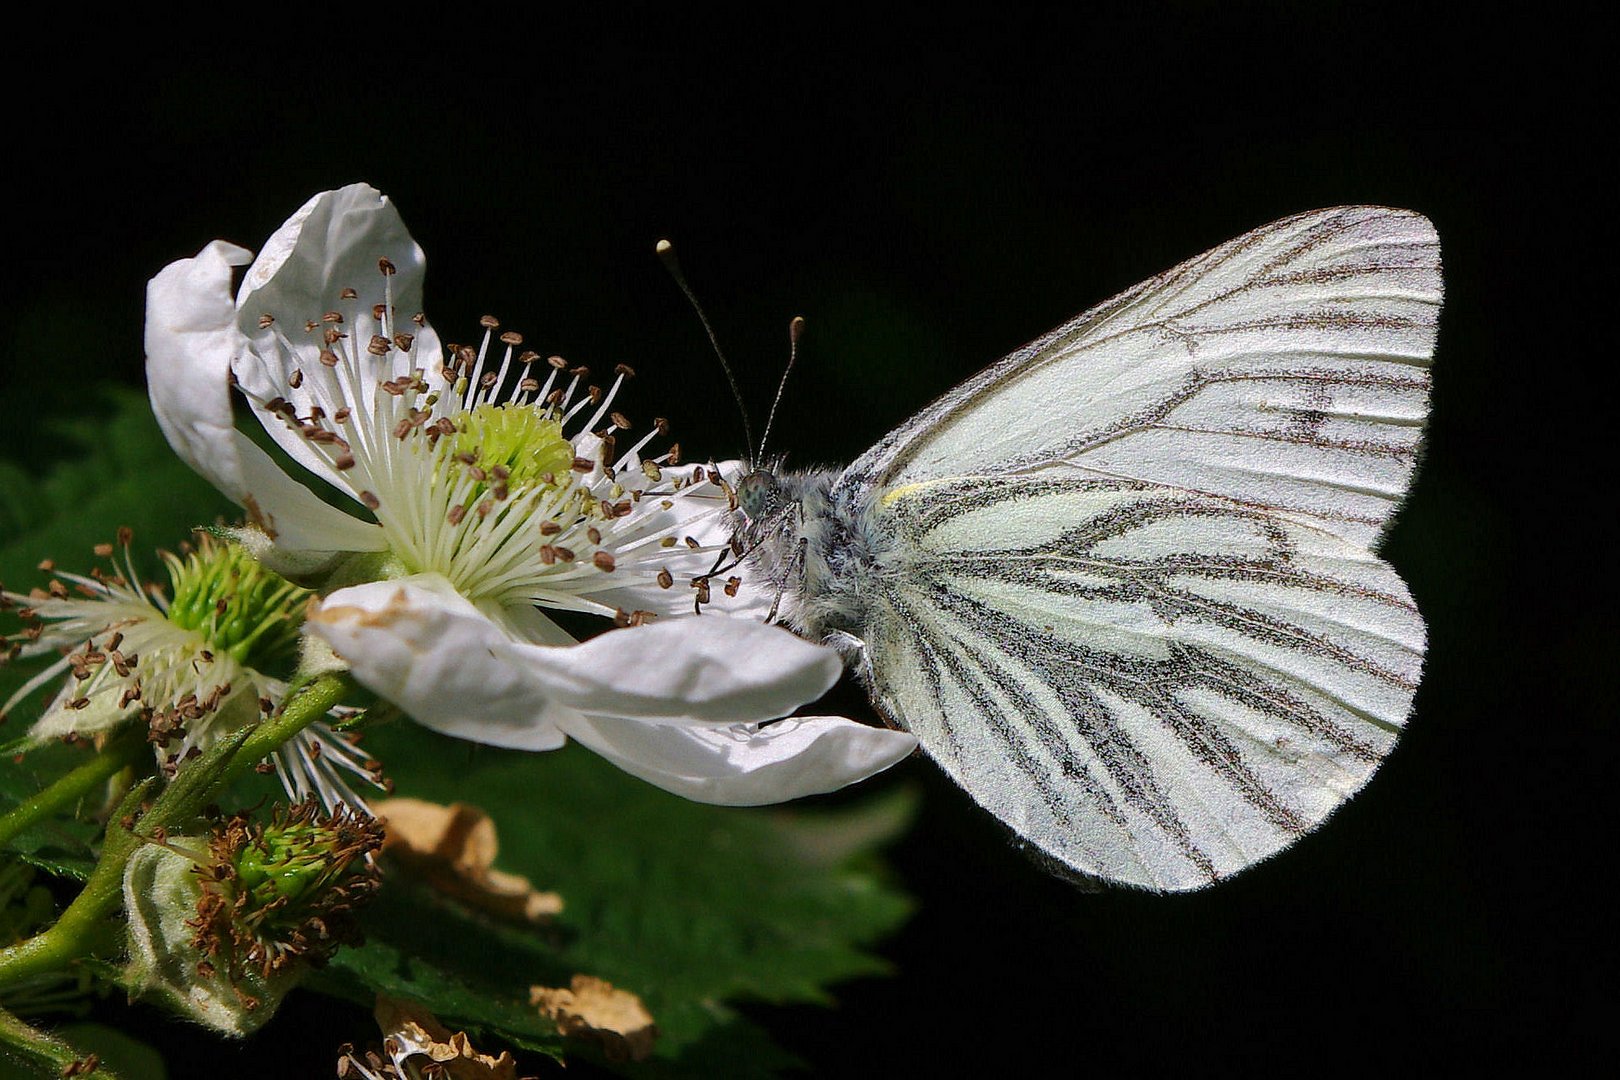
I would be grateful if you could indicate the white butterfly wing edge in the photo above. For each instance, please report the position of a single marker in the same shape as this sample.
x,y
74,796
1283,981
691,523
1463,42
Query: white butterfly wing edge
x,y
1124,589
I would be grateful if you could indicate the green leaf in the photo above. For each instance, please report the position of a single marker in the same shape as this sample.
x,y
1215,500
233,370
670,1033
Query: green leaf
x,y
686,905
61,845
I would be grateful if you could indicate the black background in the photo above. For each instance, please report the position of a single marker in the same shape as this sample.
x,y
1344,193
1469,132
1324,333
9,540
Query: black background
x,y
930,197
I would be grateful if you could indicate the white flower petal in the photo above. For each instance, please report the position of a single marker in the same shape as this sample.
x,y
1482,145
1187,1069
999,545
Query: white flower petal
x,y
745,766
332,243
705,669
432,653
190,340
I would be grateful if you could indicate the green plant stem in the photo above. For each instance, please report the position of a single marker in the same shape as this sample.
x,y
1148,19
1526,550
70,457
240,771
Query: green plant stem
x,y
72,787
86,926
20,1042
306,703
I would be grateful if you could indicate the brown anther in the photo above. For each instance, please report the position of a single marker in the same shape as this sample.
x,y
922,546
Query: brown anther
x,y
371,501
330,336
378,345
403,342
311,326
102,550
603,561
456,513
511,337
124,535
619,421
691,543
548,554
732,585
378,311
348,293
583,465
489,322
485,507
58,590
594,534
665,578
674,456
335,317
478,473
557,362
624,369
565,554
329,358
595,393
466,356
386,267
702,587
419,319
549,528
500,491
296,379
46,565
264,768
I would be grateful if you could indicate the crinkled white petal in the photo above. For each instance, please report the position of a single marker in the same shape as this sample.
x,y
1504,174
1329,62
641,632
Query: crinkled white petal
x,y
703,669
745,765
191,338
428,650
332,243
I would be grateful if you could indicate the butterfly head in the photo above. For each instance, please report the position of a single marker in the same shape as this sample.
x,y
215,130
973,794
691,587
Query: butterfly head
x,y
759,494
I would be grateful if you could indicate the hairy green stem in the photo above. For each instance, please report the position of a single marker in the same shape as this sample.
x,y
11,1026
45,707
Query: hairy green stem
x,y
72,787
86,926
26,1046
306,702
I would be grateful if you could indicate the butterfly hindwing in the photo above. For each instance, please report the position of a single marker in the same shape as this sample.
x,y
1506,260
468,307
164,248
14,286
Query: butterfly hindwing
x,y
1152,687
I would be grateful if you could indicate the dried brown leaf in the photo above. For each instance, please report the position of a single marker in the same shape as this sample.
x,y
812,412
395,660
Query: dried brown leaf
x,y
592,1008
411,1032
453,848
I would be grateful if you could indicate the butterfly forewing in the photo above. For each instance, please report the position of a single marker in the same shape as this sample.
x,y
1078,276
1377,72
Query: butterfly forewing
x,y
1153,687
1286,369
1121,583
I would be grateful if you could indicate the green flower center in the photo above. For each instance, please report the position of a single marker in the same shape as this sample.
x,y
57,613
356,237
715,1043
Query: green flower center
x,y
516,445
237,606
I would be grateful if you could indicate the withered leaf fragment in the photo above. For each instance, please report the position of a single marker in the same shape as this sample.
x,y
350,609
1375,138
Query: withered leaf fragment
x,y
453,848
419,1045
594,1009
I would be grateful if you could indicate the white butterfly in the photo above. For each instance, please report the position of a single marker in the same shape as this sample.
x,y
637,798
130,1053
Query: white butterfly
x,y
1121,585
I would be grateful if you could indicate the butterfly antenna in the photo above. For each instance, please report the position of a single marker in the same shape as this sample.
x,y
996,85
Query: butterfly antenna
x,y
666,252
795,332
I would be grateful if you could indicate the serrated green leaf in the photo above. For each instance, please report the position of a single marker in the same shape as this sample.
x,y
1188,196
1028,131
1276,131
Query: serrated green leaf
x,y
686,905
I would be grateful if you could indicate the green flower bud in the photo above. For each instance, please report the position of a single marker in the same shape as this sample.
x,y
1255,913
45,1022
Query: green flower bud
x,y
221,926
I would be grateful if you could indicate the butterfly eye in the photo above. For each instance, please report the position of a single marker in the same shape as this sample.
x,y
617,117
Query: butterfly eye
x,y
758,495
